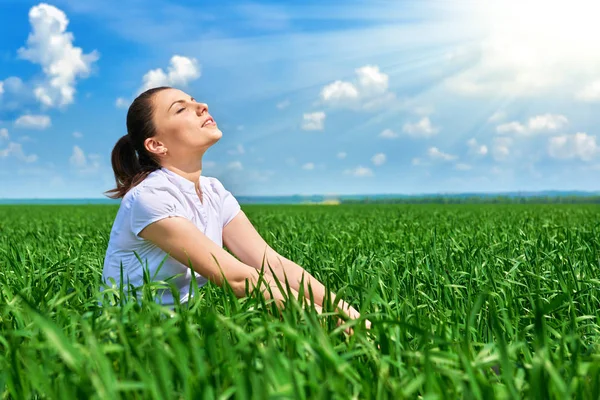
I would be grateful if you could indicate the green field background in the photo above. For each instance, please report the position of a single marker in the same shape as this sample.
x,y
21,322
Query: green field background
x,y
466,301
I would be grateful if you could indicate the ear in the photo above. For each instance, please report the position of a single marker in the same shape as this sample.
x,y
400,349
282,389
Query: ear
x,y
155,146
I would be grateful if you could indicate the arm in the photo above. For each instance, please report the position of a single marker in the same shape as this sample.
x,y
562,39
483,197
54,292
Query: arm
x,y
184,242
245,242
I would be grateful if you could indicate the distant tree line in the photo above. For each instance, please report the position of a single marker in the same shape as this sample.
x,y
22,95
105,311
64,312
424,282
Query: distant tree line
x,y
478,200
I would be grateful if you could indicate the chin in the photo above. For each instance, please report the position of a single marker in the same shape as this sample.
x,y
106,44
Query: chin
x,y
216,134
213,137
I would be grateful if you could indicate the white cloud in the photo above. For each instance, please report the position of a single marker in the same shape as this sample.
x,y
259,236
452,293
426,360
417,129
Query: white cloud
x,y
4,134
180,72
78,158
1,88
371,80
82,163
422,128
590,92
121,103
497,116
237,151
462,167
435,154
359,171
547,122
209,164
313,121
369,91
308,166
50,45
388,134
77,135
539,123
341,155
235,165
476,149
378,159
283,104
28,121
515,127
501,148
579,145
16,150
339,91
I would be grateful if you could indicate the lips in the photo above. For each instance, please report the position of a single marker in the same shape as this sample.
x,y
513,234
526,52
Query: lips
x,y
208,122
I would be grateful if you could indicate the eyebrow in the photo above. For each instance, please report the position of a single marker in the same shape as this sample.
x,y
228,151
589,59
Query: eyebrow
x,y
180,101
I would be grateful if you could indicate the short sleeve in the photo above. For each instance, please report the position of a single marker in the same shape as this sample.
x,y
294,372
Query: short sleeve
x,y
229,204
151,205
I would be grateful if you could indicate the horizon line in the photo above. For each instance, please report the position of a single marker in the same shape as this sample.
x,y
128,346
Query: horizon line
x,y
557,191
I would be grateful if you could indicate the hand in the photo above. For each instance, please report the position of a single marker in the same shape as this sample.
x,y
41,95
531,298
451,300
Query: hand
x,y
353,314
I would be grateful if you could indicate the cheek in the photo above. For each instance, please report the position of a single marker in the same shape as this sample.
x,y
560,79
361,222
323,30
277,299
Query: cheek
x,y
188,130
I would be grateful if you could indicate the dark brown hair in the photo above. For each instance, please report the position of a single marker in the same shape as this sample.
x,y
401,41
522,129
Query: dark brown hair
x,y
131,162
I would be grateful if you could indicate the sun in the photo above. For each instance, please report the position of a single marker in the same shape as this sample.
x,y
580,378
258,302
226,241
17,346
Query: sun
x,y
529,46
540,31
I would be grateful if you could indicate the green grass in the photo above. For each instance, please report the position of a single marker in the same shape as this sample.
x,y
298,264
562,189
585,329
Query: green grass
x,y
466,302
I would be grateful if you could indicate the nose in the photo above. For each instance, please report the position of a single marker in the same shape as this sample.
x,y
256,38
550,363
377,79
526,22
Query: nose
x,y
201,108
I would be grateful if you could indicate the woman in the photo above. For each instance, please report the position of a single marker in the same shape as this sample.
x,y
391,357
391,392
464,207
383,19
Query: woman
x,y
171,213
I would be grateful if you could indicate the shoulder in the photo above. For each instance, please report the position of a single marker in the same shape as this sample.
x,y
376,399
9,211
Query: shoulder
x,y
215,186
214,183
153,199
153,191
229,204
221,192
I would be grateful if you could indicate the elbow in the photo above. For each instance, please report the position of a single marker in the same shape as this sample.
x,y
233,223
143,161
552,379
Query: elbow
x,y
243,279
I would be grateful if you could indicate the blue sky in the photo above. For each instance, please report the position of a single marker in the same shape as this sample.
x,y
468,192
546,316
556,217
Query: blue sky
x,y
323,97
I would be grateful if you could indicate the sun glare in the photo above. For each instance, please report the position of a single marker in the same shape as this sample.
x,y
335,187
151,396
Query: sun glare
x,y
526,45
545,30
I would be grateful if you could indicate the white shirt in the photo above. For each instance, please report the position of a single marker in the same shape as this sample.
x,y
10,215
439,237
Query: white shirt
x,y
164,194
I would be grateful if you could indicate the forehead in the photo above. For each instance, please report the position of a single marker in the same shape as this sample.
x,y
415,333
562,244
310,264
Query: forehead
x,y
165,98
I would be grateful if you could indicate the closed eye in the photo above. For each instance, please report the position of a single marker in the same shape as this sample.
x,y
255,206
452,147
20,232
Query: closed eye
x,y
180,110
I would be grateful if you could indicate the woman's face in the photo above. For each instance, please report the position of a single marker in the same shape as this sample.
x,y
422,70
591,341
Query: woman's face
x,y
183,126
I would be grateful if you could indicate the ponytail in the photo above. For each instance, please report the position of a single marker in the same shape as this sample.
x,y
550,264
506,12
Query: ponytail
x,y
131,162
127,167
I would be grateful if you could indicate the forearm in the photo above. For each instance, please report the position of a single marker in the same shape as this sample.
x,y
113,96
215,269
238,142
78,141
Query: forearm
x,y
270,290
266,284
283,267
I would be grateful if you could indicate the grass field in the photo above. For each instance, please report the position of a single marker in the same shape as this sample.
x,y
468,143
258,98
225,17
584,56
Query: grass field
x,y
466,302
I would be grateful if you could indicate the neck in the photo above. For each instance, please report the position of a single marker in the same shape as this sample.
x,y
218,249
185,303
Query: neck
x,y
190,171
